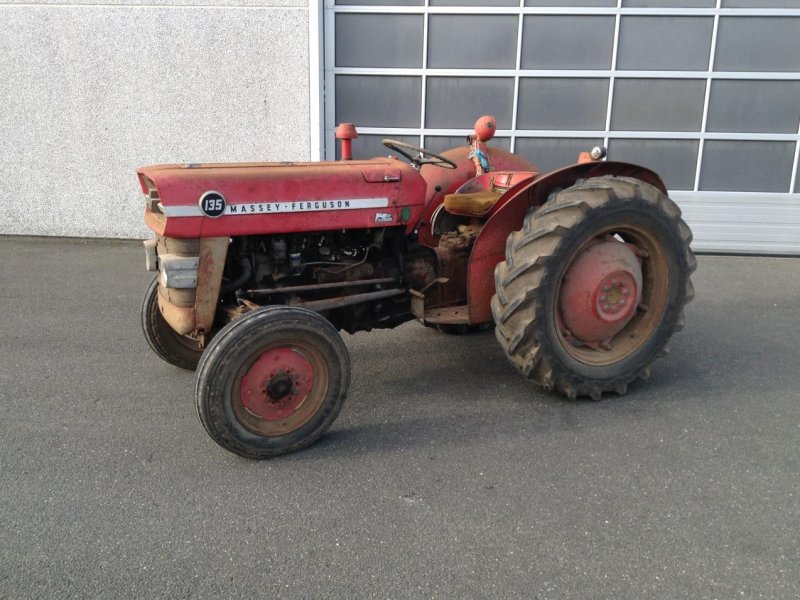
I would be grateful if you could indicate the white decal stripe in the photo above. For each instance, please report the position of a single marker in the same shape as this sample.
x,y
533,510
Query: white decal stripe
x,y
264,208
182,211
254,208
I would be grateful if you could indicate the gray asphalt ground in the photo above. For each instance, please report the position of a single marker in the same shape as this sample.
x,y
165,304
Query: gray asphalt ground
x,y
447,475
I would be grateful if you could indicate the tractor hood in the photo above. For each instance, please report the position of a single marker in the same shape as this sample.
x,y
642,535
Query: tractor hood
x,y
198,200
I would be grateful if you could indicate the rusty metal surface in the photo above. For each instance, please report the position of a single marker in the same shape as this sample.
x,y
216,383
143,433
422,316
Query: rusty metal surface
x,y
213,251
155,221
192,309
420,271
453,255
180,318
342,301
451,315
182,298
179,246
291,289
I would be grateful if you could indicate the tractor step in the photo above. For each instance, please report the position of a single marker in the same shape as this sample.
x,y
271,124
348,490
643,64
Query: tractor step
x,y
452,315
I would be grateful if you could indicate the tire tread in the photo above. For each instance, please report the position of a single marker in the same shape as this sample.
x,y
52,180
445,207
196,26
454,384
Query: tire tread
x,y
518,302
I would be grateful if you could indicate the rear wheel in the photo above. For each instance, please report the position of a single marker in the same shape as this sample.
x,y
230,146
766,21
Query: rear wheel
x,y
272,381
594,286
183,351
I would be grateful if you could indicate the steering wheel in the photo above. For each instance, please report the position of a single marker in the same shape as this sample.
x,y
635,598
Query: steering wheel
x,y
419,158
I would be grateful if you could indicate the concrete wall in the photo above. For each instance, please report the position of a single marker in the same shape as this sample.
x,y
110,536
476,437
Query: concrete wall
x,y
89,92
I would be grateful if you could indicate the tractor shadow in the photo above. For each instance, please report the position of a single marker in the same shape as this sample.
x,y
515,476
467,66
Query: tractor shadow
x,y
453,390
421,388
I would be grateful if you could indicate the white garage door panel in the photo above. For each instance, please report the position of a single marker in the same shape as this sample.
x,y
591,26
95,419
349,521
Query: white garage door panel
x,y
742,223
779,209
767,245
705,92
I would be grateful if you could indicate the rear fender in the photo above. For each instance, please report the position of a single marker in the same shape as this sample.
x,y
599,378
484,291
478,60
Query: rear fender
x,y
489,247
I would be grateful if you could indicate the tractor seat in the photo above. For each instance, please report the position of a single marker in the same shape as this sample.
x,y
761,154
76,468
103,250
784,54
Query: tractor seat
x,y
476,204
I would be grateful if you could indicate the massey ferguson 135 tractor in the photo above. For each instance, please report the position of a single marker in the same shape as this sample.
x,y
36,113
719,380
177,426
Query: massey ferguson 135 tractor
x,y
584,273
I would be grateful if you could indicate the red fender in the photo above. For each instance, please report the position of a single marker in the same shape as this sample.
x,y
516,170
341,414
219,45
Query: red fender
x,y
509,213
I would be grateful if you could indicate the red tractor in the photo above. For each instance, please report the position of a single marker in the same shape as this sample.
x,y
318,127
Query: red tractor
x,y
584,273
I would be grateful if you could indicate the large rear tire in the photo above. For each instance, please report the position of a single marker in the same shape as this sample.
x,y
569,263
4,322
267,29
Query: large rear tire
x,y
182,351
272,381
629,218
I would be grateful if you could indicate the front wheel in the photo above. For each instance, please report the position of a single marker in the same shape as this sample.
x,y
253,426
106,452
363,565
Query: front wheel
x,y
594,286
272,381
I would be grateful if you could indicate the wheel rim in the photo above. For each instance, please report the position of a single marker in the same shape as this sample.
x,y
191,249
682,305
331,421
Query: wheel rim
x,y
281,388
629,319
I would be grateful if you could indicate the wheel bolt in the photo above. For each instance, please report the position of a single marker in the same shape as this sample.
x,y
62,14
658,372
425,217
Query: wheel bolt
x,y
621,302
626,292
602,298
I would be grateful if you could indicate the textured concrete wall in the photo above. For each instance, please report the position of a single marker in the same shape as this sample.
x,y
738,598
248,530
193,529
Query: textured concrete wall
x,y
89,92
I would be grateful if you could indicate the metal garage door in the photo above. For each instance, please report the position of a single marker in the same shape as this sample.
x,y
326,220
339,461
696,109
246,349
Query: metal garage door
x,y
707,92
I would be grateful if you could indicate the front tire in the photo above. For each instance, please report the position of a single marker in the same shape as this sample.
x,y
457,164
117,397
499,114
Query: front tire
x,y
183,351
272,381
616,215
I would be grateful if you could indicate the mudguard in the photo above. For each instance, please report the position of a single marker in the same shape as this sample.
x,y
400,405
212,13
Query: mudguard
x,y
508,215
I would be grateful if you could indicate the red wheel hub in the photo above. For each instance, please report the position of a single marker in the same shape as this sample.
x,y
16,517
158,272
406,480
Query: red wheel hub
x,y
600,292
277,384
